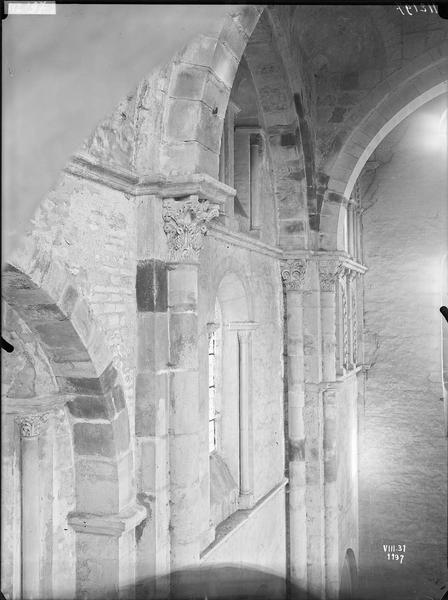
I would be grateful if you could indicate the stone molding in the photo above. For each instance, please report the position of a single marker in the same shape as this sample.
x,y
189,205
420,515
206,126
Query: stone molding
x,y
293,274
22,407
242,325
240,240
185,224
157,184
31,425
113,525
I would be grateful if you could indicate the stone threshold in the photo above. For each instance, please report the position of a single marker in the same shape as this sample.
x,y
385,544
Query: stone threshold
x,y
233,523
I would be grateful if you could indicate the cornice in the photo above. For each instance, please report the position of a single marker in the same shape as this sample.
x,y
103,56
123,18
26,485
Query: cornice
x,y
199,184
323,256
242,325
35,405
219,232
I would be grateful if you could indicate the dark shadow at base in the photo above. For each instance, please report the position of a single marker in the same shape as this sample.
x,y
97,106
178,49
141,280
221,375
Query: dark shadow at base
x,y
221,583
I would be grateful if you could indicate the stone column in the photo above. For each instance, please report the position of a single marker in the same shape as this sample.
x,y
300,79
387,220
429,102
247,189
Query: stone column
x,y
293,276
245,483
151,401
227,158
255,168
358,213
351,229
329,273
185,224
353,317
331,494
313,418
30,427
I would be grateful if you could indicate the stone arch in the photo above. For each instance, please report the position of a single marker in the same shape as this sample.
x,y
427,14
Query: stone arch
x,y
198,93
232,299
393,100
74,347
231,288
291,156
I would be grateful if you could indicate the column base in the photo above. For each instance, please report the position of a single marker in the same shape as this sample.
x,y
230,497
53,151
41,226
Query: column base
x,y
246,500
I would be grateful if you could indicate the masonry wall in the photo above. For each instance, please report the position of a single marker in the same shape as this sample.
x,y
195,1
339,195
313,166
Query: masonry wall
x,y
26,374
403,465
260,275
86,232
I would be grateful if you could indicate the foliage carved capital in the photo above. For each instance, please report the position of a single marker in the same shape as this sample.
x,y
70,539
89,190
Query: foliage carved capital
x,y
185,224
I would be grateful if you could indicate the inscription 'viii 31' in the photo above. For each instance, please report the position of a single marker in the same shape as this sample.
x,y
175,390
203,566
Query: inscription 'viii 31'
x,y
395,552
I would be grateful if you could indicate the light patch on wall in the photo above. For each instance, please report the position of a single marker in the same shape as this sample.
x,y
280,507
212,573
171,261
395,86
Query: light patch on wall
x,y
354,450
434,133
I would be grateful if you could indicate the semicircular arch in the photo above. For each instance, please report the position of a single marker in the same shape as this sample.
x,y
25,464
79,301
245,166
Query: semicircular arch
x,y
381,113
74,347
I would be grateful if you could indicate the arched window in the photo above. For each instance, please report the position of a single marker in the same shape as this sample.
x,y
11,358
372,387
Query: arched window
x,y
242,153
229,402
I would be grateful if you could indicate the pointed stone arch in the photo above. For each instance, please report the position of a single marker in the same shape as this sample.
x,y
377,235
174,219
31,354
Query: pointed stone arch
x,y
198,94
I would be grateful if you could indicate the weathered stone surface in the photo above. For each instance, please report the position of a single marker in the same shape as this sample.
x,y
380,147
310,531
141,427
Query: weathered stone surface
x,y
183,340
94,439
151,392
93,407
151,286
153,341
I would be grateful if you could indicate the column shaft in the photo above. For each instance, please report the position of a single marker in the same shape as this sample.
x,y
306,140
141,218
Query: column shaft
x,y
184,414
255,162
30,515
245,479
296,443
331,495
151,395
328,316
351,229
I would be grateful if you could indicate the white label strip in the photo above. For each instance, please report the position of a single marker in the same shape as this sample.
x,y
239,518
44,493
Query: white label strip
x,y
31,8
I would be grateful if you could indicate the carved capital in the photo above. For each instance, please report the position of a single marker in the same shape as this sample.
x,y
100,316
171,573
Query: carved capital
x,y
329,273
30,425
185,224
293,274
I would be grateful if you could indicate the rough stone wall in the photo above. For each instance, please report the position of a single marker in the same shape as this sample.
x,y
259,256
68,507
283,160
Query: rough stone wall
x,y
402,443
87,231
25,372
